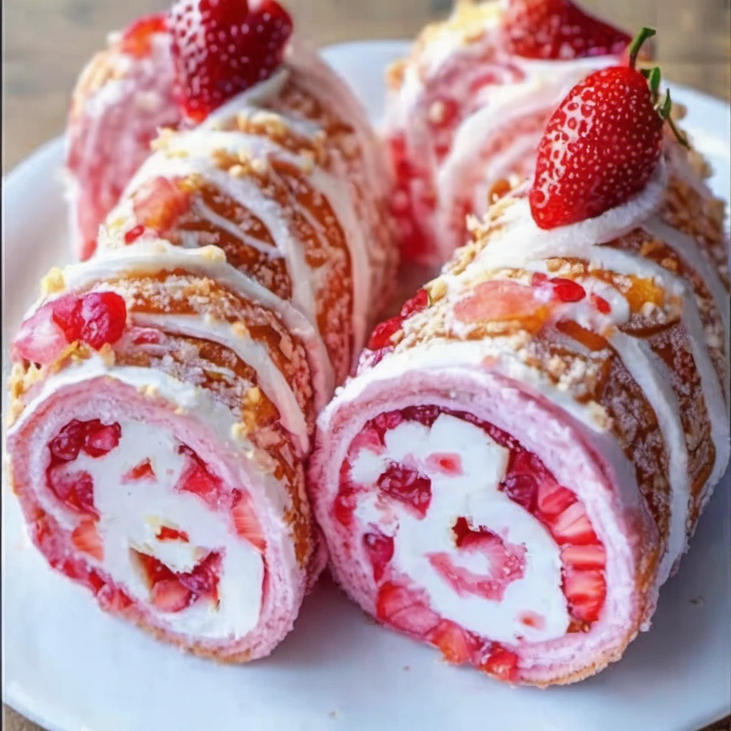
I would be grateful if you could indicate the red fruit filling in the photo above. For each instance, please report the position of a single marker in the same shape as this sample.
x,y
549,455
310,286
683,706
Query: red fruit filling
x,y
172,534
76,488
158,205
528,483
407,486
173,592
143,471
245,520
197,479
567,290
506,562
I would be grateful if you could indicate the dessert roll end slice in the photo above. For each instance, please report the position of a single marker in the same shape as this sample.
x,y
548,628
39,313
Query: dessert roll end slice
x,y
158,425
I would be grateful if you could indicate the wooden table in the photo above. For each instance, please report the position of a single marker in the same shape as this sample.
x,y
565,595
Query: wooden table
x,y
47,41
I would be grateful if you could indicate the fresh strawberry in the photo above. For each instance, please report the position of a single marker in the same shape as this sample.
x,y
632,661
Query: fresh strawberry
x,y
572,526
101,438
405,610
451,639
87,539
137,39
585,592
408,486
380,551
602,144
558,29
221,48
197,479
590,556
143,471
169,595
40,339
172,534
501,663
246,522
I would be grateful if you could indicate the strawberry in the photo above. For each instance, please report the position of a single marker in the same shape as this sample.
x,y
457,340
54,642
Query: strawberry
x,y
572,526
197,479
585,592
451,639
246,522
221,48
502,664
169,595
602,144
379,549
558,29
137,39
405,610
87,539
591,556
143,471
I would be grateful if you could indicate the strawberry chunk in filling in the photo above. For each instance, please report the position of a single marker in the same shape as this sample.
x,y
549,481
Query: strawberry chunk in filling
x,y
474,545
146,523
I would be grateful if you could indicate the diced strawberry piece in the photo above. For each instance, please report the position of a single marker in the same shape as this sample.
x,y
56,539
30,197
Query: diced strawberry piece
x,y
590,556
521,488
572,526
601,304
381,337
380,551
404,610
87,539
101,439
153,570
245,520
203,579
531,619
172,534
566,290
137,38
159,203
585,592
554,499
66,446
498,299
143,471
66,316
134,233
40,339
169,595
344,504
501,663
451,639
386,421
222,48
75,489
197,479
408,486
446,463
558,29
112,599
419,302
99,318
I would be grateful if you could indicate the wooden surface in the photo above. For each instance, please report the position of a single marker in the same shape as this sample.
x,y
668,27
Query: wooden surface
x,y
47,41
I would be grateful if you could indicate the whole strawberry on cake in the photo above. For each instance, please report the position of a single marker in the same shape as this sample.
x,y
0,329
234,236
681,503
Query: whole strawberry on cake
x,y
521,459
468,106
164,392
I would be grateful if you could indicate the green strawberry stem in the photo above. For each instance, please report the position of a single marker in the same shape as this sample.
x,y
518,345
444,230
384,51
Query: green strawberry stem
x,y
654,77
637,43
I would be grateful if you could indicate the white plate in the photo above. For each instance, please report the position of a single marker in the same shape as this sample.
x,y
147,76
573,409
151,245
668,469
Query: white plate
x,y
72,668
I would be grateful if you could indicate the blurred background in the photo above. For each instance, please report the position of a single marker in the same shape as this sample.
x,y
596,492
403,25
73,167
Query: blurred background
x,y
47,41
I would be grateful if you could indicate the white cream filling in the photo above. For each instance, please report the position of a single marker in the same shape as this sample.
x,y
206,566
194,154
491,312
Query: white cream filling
x,y
473,494
132,514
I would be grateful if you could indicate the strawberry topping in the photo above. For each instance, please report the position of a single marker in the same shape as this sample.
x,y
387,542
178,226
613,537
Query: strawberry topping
x,y
221,48
245,520
558,29
602,145
137,39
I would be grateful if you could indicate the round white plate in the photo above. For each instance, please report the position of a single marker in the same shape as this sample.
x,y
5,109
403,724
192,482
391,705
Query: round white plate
x,y
72,668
